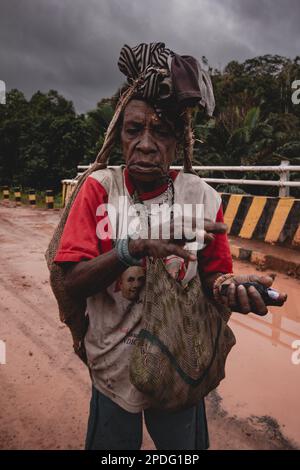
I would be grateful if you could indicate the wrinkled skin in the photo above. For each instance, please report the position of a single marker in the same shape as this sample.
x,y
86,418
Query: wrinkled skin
x,y
148,145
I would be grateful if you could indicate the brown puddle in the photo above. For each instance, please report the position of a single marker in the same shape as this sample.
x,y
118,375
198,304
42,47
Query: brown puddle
x,y
261,379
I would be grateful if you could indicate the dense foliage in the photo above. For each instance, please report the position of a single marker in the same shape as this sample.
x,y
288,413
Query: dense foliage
x,y
42,140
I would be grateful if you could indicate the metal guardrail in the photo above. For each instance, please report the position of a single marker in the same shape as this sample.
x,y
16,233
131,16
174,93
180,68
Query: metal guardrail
x,y
283,171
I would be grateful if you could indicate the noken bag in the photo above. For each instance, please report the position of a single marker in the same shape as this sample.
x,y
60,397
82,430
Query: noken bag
x,y
183,344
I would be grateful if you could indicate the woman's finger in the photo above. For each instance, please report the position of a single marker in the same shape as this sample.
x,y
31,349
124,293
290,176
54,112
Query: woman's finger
x,y
173,249
231,295
214,227
224,300
243,299
265,280
257,304
208,237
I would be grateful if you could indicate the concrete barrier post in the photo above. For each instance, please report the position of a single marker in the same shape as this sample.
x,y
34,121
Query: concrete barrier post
x,y
5,192
17,196
49,199
32,198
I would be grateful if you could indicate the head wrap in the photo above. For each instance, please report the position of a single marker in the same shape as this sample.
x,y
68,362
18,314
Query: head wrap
x,y
164,75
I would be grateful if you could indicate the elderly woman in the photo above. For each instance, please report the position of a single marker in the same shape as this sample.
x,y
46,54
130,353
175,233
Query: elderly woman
x,y
152,130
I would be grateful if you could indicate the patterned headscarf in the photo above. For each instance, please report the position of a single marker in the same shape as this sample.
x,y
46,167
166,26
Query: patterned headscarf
x,y
164,75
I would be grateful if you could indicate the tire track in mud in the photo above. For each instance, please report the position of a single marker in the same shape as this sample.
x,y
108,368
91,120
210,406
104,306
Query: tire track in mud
x,y
45,348
38,312
40,316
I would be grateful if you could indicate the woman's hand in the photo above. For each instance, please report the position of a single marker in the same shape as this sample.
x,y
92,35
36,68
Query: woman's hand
x,y
162,248
245,300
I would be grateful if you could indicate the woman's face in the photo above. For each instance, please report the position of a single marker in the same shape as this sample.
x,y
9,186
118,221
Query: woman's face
x,y
148,143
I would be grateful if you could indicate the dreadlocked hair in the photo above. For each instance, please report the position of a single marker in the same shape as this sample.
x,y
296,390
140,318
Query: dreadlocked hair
x,y
188,141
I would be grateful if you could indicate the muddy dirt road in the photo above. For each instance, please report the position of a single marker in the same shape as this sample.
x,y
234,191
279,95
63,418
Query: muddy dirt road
x,y
45,390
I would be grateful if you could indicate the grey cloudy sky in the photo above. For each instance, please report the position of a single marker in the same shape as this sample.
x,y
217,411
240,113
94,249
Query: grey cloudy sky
x,y
73,45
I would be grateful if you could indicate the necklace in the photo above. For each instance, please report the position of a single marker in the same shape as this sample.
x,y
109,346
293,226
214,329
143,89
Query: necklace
x,y
167,197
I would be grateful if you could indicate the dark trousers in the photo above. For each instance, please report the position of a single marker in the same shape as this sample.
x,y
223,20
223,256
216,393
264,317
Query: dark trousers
x,y
110,427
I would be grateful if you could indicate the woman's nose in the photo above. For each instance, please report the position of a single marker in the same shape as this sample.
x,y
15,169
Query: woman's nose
x,y
146,143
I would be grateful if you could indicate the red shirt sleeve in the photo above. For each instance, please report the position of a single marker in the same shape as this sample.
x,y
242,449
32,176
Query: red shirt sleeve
x,y
216,256
79,240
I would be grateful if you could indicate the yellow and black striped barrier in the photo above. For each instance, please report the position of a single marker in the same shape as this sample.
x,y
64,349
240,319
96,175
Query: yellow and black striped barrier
x,y
5,192
49,199
17,193
269,219
32,197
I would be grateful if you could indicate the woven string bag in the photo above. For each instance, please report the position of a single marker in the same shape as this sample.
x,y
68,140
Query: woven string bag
x,y
183,344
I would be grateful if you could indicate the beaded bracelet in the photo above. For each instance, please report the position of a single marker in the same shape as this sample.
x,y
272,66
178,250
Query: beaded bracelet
x,y
124,255
218,282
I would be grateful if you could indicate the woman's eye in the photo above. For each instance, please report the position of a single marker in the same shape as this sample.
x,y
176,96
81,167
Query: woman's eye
x,y
162,132
132,131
